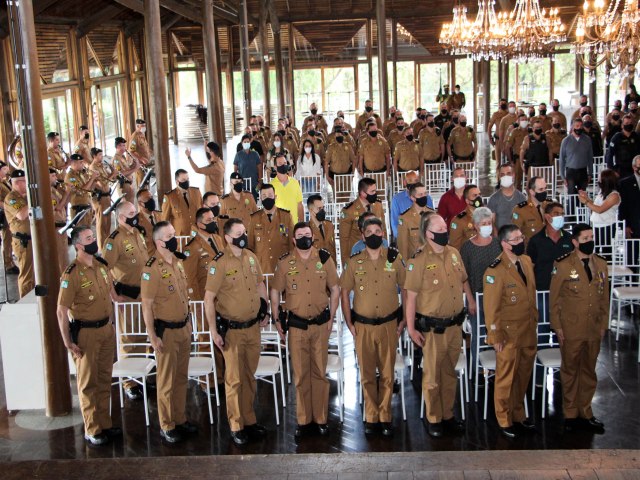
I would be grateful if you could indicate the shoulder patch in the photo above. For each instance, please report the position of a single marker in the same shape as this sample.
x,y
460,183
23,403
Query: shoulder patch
x,y
218,256
225,195
600,256
70,268
284,255
495,263
114,234
150,261
356,254
224,217
101,260
408,208
522,204
324,255
418,251
563,257
284,210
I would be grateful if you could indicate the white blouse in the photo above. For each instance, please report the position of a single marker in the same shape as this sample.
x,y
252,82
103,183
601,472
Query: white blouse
x,y
608,217
306,167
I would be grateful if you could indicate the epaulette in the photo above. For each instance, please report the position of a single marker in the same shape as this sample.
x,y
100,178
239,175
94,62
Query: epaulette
x,y
224,217
284,255
392,254
349,205
102,261
376,115
438,131
218,256
416,253
324,255
408,208
600,256
70,268
114,234
357,253
563,257
180,255
495,263
523,204
225,195
168,192
284,210
461,214
150,261
257,211
191,240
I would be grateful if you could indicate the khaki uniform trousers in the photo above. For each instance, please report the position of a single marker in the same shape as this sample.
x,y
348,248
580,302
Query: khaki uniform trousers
x,y
513,372
5,234
439,379
24,256
129,318
103,222
241,355
376,349
94,376
519,172
172,376
578,375
309,351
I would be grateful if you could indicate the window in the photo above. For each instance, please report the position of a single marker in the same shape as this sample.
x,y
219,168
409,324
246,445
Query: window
x,y
432,77
339,91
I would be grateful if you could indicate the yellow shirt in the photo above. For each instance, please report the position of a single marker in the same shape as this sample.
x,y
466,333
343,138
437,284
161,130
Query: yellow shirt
x,y
288,196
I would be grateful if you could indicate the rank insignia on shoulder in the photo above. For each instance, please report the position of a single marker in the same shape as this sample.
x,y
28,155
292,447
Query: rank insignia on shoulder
x,y
284,255
114,234
150,262
563,257
324,255
70,268
495,263
523,204
392,254
218,256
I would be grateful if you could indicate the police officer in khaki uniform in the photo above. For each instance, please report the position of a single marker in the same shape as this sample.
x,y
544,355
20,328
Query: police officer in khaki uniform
x,y
513,147
434,310
339,158
557,116
214,171
139,148
542,117
534,150
314,118
511,318
374,154
56,157
365,116
238,203
579,309
82,145
270,230
5,233
165,307
148,216
305,275
235,303
125,165
529,216
323,231
462,144
85,314
408,154
367,201
180,205
396,135
126,252
555,137
494,121
81,183
462,228
409,220
101,198
431,141
16,210
374,276
59,200
509,119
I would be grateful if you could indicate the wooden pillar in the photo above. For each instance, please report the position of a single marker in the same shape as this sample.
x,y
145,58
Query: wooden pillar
x,y
505,80
157,95
579,77
220,105
264,65
394,59
277,50
174,89
8,98
128,83
231,94
369,56
486,85
501,92
244,60
45,254
212,68
292,92
452,79
383,80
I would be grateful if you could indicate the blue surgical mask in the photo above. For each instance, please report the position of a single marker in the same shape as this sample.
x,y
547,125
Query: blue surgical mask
x,y
485,230
557,222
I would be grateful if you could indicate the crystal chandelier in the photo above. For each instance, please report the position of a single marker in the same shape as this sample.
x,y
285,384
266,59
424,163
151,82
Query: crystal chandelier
x,y
488,41
456,35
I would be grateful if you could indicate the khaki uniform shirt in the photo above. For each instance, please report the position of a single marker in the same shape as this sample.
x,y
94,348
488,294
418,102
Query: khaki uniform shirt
x,y
554,140
213,176
374,283
326,238
528,218
362,120
305,282
126,253
374,152
85,291
508,120
234,281
166,284
55,158
409,231
462,141
516,137
348,226
340,158
101,182
139,145
269,240
5,188
78,180
82,148
510,310
395,137
496,118
321,123
579,307
562,119
461,228
176,210
456,101
122,163
437,278
546,122
13,203
199,253
431,141
242,208
408,155
59,215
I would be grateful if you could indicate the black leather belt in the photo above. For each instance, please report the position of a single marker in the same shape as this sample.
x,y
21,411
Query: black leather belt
x,y
76,325
302,323
233,325
356,317
131,291
161,325
80,207
60,224
425,323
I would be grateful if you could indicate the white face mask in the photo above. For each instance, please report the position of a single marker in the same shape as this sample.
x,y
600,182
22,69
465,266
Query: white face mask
x,y
512,109
557,222
246,146
277,144
485,231
524,124
143,129
457,90
307,149
506,181
459,182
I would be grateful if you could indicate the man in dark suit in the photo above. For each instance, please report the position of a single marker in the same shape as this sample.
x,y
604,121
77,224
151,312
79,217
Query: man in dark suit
x,y
629,189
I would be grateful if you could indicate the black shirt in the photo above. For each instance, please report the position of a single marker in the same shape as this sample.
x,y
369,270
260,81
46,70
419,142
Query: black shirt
x,y
255,145
622,150
543,252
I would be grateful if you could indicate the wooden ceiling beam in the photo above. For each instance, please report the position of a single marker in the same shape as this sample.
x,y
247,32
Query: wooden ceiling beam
x,y
98,19
40,6
135,5
181,9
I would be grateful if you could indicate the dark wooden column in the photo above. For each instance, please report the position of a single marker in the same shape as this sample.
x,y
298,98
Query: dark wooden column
x,y
129,85
212,68
244,60
264,65
277,50
172,93
383,77
369,56
486,84
394,42
8,99
157,95
292,91
231,94
45,254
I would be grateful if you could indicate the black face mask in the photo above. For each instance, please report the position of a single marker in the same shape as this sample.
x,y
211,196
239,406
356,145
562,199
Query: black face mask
x,y
312,133
337,129
283,169
282,133
455,120
150,204
543,112
518,249
339,139
400,128
540,196
368,109
87,136
215,210
409,137
171,244
373,198
92,248
261,124
373,133
579,131
532,114
633,110
463,124
321,215
238,187
615,117
440,238
268,203
184,185
314,111
583,104
538,131
373,241
241,241
211,227
421,201
133,221
628,128
477,203
423,117
431,124
588,124
503,106
555,107
587,247
444,112
556,126
304,243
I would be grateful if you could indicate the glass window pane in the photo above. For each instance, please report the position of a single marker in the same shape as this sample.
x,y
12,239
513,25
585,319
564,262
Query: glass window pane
x,y
308,89
406,92
187,88
110,123
533,81
432,77
565,81
339,91
464,78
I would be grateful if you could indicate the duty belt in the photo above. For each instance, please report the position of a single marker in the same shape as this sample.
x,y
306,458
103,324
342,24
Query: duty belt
x,y
60,224
23,237
80,208
76,325
457,157
425,323
160,325
303,323
97,194
130,291
396,315
223,325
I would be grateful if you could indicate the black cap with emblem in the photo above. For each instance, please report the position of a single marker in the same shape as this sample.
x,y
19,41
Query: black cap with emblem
x,y
76,157
139,121
17,174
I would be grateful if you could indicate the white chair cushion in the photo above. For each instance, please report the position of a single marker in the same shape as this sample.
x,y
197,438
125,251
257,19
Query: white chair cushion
x,y
618,271
462,363
550,357
487,359
133,367
627,293
200,366
267,365
334,363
